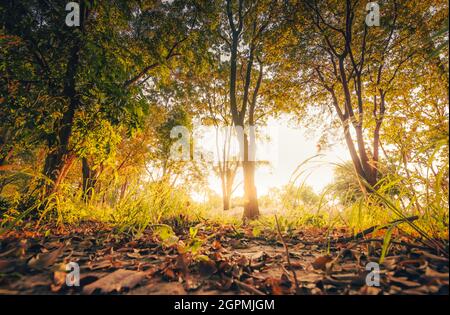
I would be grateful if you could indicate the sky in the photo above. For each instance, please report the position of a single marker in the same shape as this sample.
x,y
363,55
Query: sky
x,y
288,147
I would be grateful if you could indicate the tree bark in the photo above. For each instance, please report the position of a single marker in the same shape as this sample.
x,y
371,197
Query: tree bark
x,y
226,198
376,134
60,157
251,207
227,179
89,179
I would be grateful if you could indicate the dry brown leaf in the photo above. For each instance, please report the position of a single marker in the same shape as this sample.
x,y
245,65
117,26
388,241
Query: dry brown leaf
x,y
258,256
32,282
192,284
404,282
9,292
418,291
170,274
59,279
434,257
42,261
278,286
104,264
134,255
182,263
225,283
430,273
216,245
7,265
369,290
85,244
117,281
207,268
321,262
285,281
274,285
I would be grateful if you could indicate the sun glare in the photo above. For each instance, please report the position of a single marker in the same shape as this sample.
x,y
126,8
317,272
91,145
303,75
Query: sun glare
x,y
289,147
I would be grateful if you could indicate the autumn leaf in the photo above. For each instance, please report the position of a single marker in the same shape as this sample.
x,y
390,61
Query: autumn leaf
x,y
207,268
117,281
321,262
42,261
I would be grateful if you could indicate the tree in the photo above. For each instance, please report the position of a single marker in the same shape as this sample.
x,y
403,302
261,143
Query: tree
x,y
246,25
212,109
353,67
98,67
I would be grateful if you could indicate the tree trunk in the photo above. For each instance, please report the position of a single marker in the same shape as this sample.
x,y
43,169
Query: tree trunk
x,y
56,168
89,179
60,157
227,187
226,201
225,194
251,207
376,135
368,169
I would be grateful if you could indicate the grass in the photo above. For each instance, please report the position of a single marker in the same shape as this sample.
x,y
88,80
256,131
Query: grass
x,y
399,194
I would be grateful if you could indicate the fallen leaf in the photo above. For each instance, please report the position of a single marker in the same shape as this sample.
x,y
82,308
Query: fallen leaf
x,y
321,262
430,273
225,283
207,268
434,257
85,244
135,255
42,261
170,274
32,282
182,263
285,281
404,282
59,279
192,284
275,286
258,256
216,245
370,290
7,265
117,281
8,292
104,264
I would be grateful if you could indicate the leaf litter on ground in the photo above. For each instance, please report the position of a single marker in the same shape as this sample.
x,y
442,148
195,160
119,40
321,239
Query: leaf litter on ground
x,y
214,260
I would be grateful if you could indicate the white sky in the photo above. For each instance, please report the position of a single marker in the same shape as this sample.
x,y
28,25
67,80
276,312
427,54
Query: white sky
x,y
288,148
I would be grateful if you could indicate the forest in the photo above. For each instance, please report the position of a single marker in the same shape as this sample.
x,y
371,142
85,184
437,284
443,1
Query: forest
x,y
244,147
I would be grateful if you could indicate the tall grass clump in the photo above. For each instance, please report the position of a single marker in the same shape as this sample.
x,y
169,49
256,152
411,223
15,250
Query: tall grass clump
x,y
150,204
128,212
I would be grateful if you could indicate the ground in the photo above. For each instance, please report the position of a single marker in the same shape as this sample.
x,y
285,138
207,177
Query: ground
x,y
214,259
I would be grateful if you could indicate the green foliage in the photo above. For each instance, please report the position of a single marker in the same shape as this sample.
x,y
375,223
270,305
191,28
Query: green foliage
x,y
401,194
290,222
153,204
110,92
166,234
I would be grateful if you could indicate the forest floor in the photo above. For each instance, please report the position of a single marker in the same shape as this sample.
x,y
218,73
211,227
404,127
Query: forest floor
x,y
229,260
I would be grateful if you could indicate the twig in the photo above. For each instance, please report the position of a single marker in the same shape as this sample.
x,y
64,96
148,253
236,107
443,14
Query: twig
x,y
248,288
287,255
